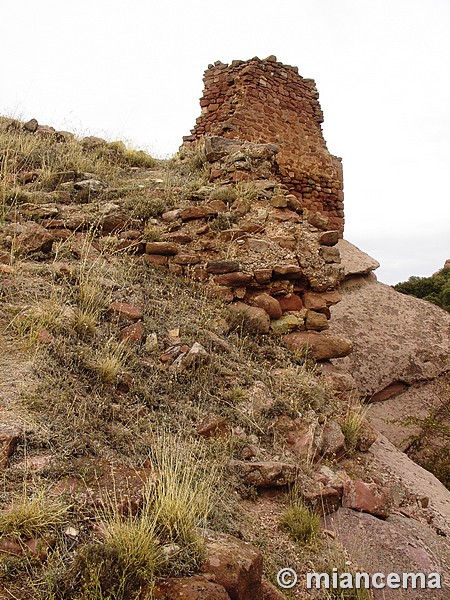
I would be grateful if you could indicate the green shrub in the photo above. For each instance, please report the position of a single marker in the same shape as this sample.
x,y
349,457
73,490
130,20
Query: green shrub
x,y
435,289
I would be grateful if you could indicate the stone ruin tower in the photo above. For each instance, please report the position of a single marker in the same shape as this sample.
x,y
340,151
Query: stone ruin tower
x,y
266,101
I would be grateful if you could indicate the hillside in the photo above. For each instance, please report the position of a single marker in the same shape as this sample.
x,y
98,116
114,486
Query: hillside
x,y
181,412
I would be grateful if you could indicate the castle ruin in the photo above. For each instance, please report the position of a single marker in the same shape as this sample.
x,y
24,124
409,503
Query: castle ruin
x,y
266,101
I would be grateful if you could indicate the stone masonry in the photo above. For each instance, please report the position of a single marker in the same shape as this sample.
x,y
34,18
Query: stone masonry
x,y
266,101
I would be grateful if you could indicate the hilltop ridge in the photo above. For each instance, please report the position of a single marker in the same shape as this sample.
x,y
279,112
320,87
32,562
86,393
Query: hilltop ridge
x,y
187,348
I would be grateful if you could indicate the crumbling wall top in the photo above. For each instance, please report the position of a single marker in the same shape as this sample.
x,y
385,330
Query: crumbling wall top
x,y
269,102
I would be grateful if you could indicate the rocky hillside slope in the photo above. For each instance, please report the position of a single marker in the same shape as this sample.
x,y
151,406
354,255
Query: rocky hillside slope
x,y
181,408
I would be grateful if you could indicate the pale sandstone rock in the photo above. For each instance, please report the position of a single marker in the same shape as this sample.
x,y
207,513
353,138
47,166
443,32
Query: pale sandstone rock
x,y
323,345
396,338
415,479
395,545
354,261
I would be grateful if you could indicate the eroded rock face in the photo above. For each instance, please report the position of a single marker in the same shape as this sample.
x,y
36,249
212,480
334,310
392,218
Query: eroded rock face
x,y
399,418
396,338
354,261
416,480
396,545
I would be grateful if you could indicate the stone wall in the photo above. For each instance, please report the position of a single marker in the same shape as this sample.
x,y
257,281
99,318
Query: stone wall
x,y
266,101
250,242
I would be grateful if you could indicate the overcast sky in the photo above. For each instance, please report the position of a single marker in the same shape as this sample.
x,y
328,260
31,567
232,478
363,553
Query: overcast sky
x,y
133,70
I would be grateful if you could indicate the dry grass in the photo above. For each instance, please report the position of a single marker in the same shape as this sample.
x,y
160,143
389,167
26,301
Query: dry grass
x,y
333,556
110,362
117,567
226,194
78,411
131,549
351,426
299,521
35,516
90,296
184,496
48,157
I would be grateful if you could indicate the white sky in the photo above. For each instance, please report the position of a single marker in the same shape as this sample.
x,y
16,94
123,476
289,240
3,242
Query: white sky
x,y
133,70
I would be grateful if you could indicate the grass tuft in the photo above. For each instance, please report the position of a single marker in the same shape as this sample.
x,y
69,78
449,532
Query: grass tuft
x,y
302,524
351,427
110,362
35,516
184,495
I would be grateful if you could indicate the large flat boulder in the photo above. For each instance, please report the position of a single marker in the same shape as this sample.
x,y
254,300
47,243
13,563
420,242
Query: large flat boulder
x,y
396,338
396,545
399,417
354,261
418,482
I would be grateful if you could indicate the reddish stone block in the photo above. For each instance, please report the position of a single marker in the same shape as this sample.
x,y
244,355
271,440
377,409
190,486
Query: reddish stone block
x,y
162,248
156,259
198,212
132,334
269,304
125,311
234,279
290,303
9,437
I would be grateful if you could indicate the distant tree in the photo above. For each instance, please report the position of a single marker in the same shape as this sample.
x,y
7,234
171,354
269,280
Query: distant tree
x,y
435,289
